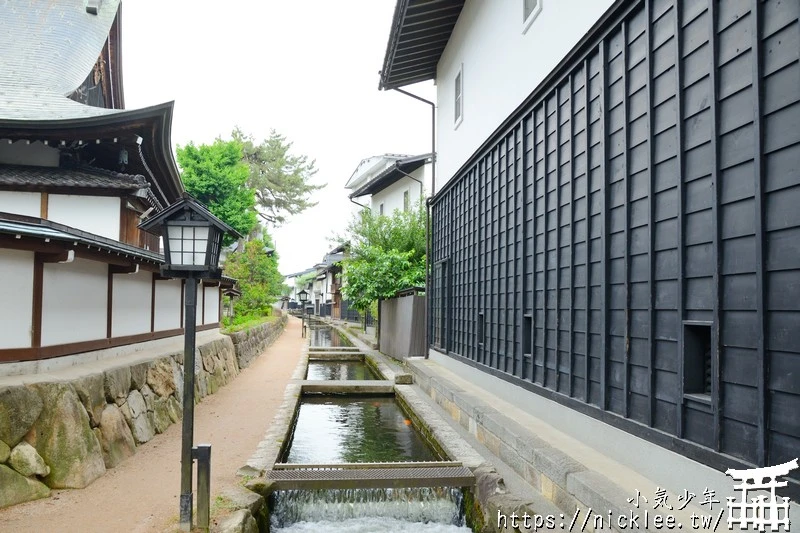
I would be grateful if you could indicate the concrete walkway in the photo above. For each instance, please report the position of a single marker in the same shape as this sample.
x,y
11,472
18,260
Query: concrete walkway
x,y
141,494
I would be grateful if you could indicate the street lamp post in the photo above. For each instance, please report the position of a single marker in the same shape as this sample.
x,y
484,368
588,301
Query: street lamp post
x,y
303,295
192,239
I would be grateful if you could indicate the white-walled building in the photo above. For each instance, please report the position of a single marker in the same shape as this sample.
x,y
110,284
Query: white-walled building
x,y
78,173
392,182
613,230
485,59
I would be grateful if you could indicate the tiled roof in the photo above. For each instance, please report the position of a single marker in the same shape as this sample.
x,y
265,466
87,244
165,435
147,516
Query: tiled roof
x,y
52,43
47,48
391,174
82,177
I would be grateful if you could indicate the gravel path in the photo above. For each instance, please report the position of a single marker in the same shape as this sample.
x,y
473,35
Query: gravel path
x,y
141,494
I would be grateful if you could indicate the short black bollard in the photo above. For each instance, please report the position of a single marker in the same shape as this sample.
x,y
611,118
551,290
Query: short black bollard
x,y
202,454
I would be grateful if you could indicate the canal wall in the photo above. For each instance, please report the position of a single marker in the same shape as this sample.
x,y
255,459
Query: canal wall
x,y
65,427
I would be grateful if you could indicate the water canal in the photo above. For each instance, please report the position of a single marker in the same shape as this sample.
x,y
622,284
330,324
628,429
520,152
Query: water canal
x,y
325,336
340,370
355,429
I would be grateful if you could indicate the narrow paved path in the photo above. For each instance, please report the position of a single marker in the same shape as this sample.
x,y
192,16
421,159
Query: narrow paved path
x,y
141,494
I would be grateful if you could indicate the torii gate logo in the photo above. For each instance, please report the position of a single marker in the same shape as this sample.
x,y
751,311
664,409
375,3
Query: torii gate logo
x,y
760,512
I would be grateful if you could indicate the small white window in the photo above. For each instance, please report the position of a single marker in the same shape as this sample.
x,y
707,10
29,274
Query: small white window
x,y
406,200
459,96
380,208
530,10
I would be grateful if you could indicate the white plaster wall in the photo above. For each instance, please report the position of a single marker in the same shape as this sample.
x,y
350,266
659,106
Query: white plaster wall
x,y
131,303
74,303
22,153
199,311
168,304
211,312
21,203
16,299
392,196
96,214
501,67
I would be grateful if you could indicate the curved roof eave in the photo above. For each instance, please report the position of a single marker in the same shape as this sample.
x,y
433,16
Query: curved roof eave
x,y
156,119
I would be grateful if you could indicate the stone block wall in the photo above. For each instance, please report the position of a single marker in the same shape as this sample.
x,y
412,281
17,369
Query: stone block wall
x,y
251,342
65,434
68,432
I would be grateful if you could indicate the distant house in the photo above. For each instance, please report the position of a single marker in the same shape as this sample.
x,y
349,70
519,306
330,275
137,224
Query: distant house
x,y
78,173
292,281
616,234
324,288
392,182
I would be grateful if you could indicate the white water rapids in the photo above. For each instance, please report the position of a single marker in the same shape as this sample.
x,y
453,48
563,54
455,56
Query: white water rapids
x,y
436,510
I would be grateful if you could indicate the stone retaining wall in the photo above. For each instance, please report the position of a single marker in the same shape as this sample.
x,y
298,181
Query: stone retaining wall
x,y
251,342
67,432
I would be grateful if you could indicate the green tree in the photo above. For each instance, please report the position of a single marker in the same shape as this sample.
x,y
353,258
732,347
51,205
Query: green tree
x,y
259,280
404,231
376,274
216,175
280,180
387,254
301,282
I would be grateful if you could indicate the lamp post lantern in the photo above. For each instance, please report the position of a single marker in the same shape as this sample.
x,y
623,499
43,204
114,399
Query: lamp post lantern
x,y
303,296
192,238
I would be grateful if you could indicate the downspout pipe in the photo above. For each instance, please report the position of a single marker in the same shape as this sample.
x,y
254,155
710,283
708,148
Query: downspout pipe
x,y
406,174
358,204
428,217
433,134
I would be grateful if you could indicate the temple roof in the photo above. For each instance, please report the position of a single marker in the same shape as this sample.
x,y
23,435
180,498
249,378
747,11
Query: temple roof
x,y
28,177
48,48
52,44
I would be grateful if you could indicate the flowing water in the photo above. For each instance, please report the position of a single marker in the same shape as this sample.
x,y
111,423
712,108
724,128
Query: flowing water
x,y
369,510
340,370
358,429
326,336
355,429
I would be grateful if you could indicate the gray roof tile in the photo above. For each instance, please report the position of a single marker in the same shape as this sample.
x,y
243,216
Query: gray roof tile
x,y
82,177
47,48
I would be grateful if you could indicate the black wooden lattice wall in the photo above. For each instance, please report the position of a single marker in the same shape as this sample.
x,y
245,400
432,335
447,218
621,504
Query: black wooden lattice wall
x,y
647,196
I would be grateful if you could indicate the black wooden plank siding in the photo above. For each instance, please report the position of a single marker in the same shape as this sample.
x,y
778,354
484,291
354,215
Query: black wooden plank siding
x,y
646,195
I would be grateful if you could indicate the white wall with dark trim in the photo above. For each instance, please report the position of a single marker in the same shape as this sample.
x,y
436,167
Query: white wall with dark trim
x,y
130,303
74,302
211,307
16,298
96,214
28,204
168,305
502,63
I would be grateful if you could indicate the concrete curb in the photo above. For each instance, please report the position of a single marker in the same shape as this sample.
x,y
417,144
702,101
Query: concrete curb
x,y
561,479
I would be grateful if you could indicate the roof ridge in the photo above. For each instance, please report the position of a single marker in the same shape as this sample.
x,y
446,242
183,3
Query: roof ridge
x,y
106,172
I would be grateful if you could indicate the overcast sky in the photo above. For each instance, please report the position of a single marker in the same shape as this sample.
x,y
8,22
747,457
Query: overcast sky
x,y
306,68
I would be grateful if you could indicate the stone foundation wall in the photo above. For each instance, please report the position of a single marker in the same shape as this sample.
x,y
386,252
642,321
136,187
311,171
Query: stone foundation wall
x,y
251,342
66,433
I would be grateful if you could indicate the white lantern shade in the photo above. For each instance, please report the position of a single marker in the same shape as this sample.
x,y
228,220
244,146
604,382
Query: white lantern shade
x,y
188,245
